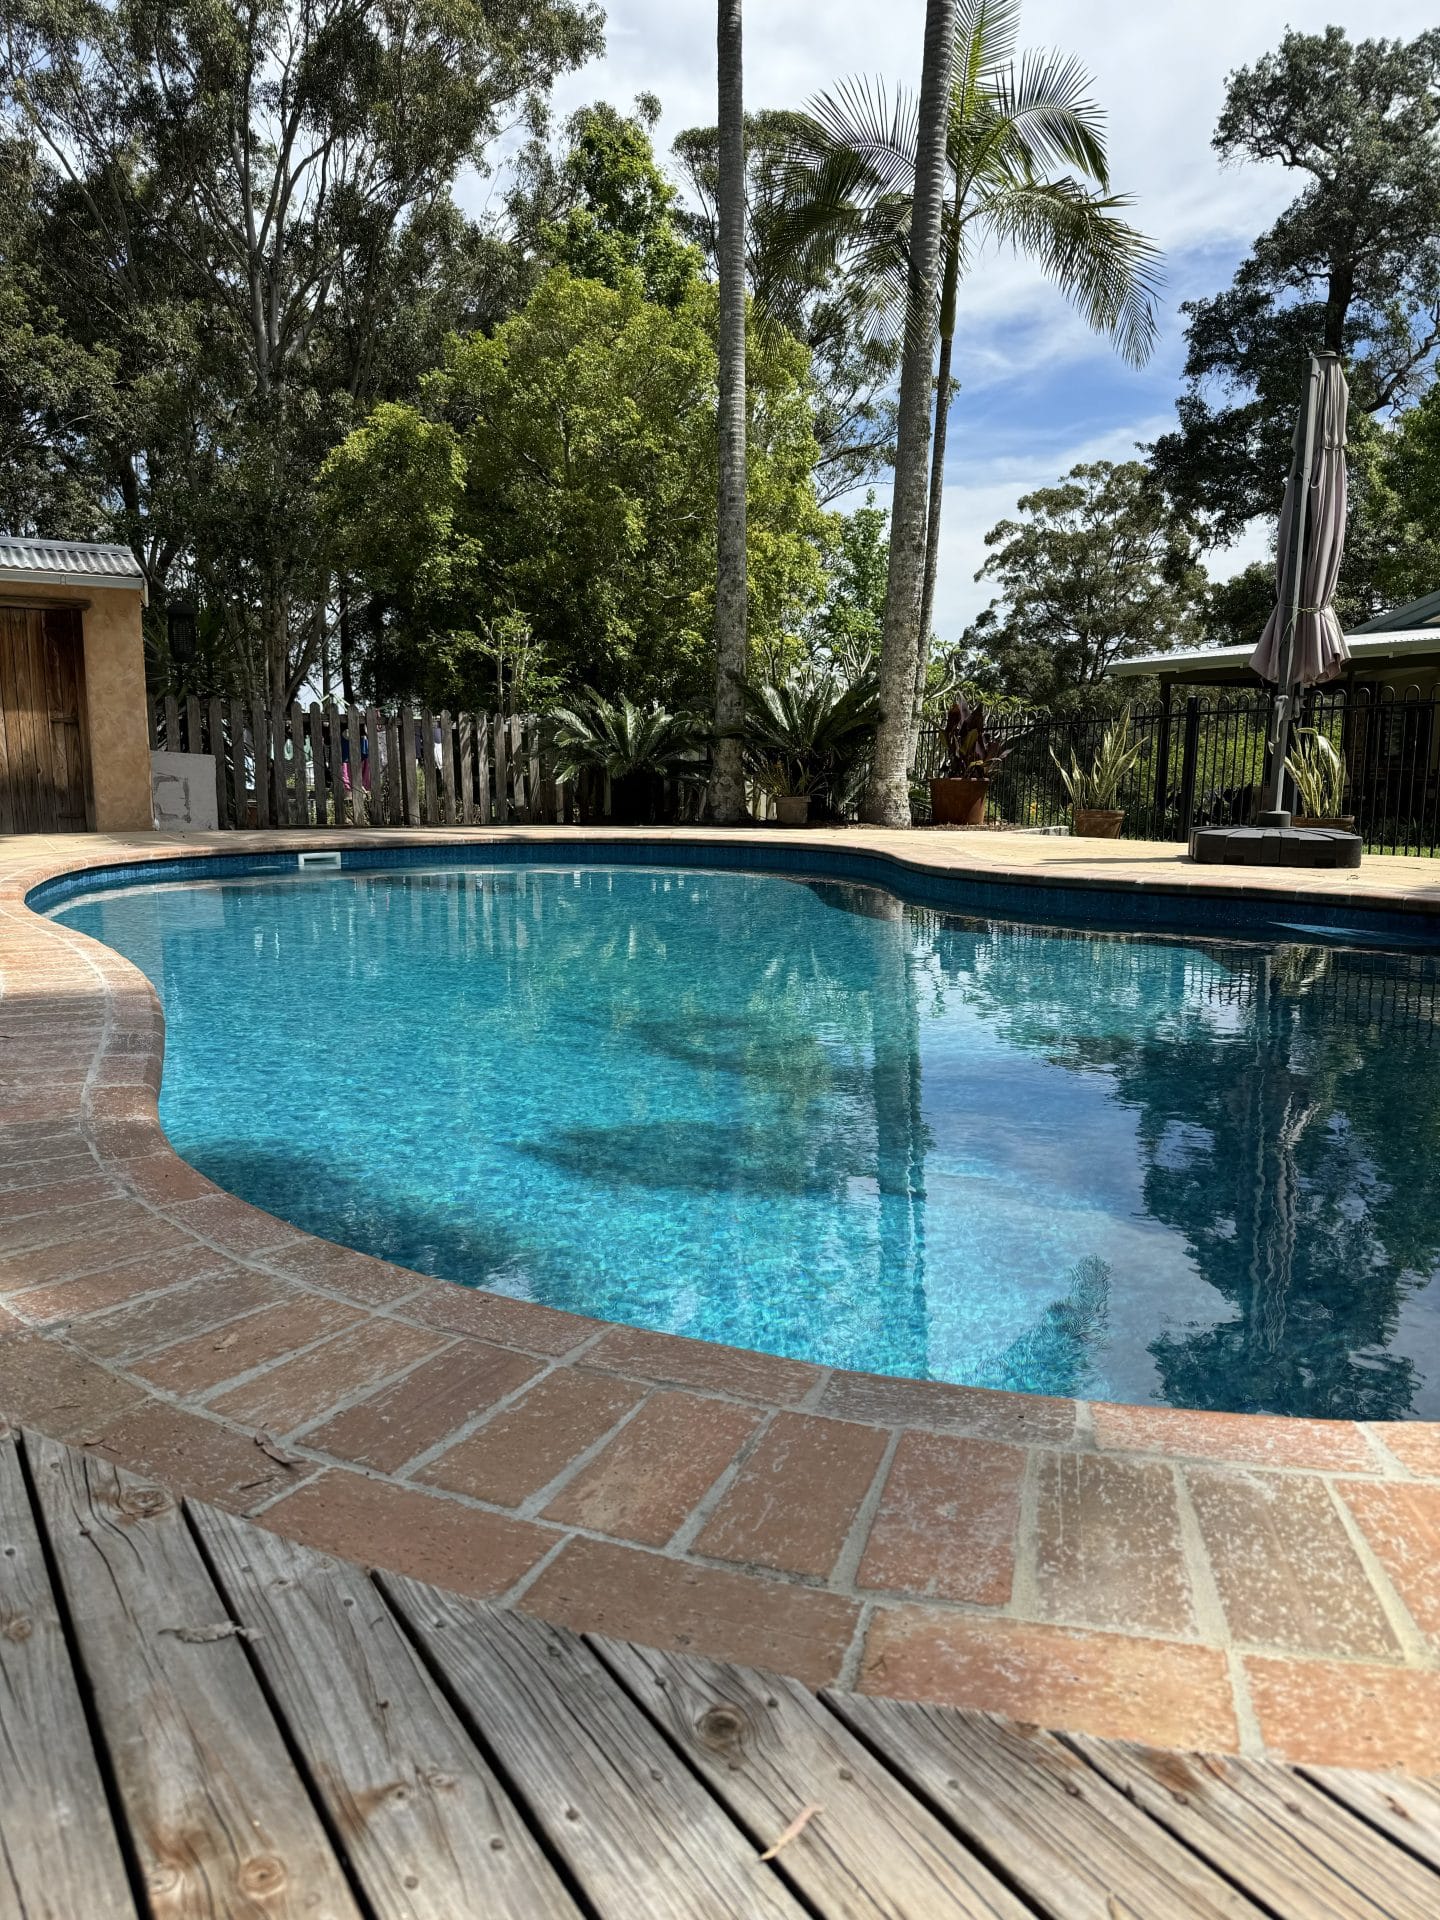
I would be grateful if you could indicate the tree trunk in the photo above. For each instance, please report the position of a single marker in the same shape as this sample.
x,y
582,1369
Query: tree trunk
x,y
887,798
932,536
727,785
347,672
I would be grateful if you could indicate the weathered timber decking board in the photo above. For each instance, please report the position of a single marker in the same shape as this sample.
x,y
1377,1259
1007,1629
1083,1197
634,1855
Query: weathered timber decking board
x,y
200,1719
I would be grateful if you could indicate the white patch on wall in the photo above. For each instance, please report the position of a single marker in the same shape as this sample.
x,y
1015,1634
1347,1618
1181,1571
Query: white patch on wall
x,y
182,787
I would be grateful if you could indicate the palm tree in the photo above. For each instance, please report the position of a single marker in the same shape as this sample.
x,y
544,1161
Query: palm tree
x,y
887,797
727,786
1016,125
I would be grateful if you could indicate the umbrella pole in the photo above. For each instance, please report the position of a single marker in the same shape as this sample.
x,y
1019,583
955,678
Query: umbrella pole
x,y
1275,814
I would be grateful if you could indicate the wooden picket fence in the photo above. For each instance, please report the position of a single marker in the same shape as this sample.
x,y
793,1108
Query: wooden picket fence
x,y
296,766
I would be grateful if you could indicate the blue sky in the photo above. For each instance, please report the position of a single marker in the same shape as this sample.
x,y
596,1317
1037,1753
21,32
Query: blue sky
x,y
1038,393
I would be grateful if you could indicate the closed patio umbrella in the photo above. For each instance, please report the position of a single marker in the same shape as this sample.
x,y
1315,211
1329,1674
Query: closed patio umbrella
x,y
1303,643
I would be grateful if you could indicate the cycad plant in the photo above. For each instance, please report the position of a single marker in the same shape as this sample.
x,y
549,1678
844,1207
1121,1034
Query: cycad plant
x,y
810,734
635,748
1028,171
1096,788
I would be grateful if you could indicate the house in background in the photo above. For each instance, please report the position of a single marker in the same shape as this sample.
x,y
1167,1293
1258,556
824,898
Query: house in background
x,y
1397,654
1383,713
74,741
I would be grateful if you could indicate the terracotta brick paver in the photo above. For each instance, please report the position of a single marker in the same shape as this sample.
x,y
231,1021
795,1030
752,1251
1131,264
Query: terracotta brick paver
x,y
1018,1417
1334,1713
196,1456
1287,1573
44,1384
1402,1526
527,1445
696,1363
194,1366
1416,1447
1108,1549
1334,1446
597,1587
793,1503
1202,1579
215,1294
408,1531
656,1468
300,1390
418,1411
1103,1683
947,1520
491,1316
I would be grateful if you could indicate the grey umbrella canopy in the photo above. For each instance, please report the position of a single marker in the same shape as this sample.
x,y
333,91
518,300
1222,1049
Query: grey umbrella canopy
x,y
1303,642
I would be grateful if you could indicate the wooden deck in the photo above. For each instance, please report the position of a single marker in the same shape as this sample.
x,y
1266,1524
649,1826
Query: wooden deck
x,y
200,1718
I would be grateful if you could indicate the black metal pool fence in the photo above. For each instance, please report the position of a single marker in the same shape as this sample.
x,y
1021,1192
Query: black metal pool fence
x,y
1203,763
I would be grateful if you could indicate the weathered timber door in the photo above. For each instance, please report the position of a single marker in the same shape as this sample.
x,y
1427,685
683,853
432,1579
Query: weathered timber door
x,y
44,775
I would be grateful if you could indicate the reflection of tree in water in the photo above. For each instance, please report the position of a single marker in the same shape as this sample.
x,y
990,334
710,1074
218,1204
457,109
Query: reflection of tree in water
x,y
801,1033
1054,1356
1288,1116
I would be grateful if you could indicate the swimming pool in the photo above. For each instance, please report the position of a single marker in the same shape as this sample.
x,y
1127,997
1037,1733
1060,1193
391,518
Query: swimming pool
x,y
798,1114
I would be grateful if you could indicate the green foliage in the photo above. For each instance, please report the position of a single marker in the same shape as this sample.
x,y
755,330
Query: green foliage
x,y
584,432
853,360
1099,568
618,738
809,733
847,626
611,212
1028,172
245,214
1352,264
1319,775
1099,785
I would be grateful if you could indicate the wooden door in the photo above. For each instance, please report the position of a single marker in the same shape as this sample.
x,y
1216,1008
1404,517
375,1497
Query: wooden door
x,y
44,776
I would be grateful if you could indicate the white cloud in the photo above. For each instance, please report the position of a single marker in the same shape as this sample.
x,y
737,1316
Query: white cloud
x,y
1159,69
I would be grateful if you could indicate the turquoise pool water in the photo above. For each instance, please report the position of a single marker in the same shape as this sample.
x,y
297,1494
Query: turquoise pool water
x,y
799,1116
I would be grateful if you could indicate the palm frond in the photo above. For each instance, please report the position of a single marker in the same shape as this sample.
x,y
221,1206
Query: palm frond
x,y
1050,115
1106,268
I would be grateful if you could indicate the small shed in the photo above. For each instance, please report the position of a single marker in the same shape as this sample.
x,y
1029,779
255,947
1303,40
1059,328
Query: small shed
x,y
74,745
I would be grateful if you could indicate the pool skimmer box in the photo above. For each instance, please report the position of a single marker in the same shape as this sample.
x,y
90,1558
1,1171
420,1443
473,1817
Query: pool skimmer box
x,y
305,860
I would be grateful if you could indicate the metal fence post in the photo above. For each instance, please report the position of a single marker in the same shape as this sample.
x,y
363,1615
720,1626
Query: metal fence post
x,y
1162,761
1187,765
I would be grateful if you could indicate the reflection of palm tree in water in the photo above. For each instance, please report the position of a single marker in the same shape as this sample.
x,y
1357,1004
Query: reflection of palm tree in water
x,y
1054,1355
1282,1109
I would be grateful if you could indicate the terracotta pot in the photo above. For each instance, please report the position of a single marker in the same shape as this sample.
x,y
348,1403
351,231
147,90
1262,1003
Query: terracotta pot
x,y
792,809
1332,822
1099,823
958,803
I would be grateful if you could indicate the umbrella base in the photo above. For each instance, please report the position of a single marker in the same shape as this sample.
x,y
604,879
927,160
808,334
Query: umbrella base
x,y
1277,846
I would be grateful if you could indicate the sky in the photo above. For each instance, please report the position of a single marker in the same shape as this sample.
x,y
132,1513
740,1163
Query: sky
x,y
1038,392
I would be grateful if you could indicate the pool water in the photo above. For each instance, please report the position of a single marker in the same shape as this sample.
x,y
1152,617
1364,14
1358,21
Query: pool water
x,y
800,1116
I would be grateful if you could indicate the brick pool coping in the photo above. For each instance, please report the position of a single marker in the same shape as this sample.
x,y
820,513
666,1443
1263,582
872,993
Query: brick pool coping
x,y
1222,1581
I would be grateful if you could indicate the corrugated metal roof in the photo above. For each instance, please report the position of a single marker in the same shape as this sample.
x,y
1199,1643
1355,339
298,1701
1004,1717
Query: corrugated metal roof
x,y
1361,641
89,563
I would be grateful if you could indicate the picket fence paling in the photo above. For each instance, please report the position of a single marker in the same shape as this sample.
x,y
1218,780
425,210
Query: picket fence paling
x,y
344,766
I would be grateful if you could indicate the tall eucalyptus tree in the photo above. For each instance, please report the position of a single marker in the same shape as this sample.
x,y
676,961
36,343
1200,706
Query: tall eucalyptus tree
x,y
727,787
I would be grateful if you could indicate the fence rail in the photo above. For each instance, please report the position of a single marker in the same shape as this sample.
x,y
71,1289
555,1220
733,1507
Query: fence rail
x,y
297,767
1204,762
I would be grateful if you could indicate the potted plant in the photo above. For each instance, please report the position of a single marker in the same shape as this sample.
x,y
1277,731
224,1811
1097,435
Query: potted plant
x,y
972,753
1319,775
1094,790
637,748
804,737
